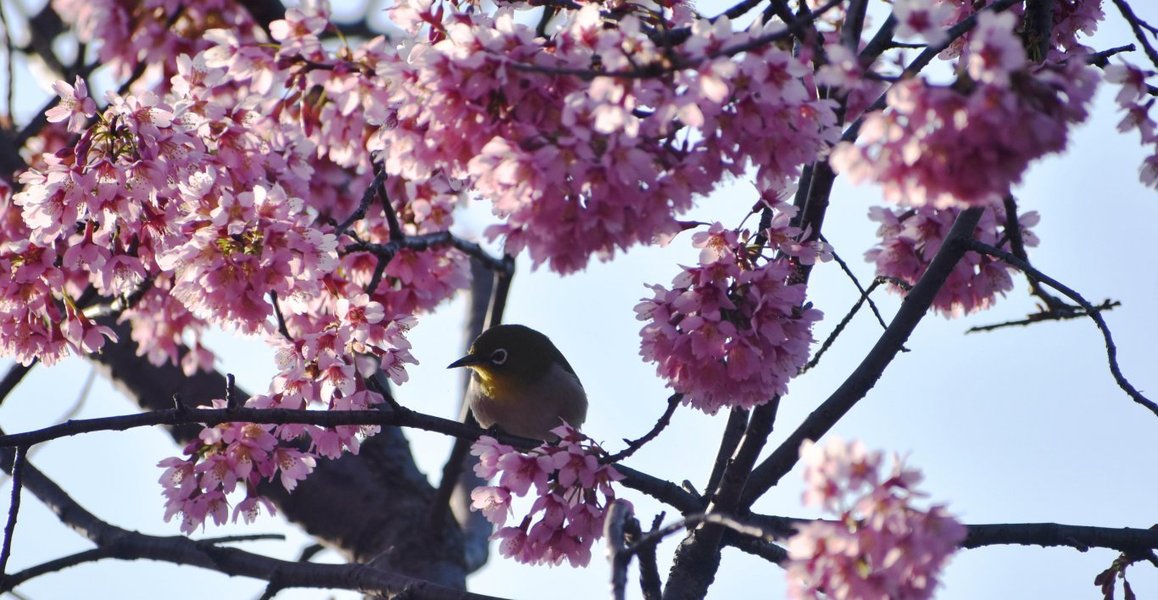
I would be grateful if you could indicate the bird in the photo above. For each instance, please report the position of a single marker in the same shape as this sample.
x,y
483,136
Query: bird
x,y
521,383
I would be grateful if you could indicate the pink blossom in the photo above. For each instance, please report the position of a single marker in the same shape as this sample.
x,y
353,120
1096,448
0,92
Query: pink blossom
x,y
926,19
566,515
75,105
945,147
910,238
728,332
1132,99
880,545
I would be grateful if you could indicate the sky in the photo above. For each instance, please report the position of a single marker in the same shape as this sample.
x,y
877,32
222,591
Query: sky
x,y
1016,425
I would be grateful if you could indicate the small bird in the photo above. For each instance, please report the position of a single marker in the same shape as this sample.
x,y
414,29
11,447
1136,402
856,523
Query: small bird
x,y
522,383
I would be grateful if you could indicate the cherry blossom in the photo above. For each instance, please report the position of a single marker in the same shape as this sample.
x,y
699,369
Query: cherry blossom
x,y
880,545
1132,99
571,491
910,238
728,332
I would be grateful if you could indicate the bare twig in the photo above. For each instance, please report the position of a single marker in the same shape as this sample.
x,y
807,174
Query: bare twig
x,y
733,431
1091,310
281,324
836,331
368,196
633,445
10,84
1046,315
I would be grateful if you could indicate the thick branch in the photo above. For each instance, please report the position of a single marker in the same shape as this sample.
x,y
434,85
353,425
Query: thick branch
x,y
130,545
861,380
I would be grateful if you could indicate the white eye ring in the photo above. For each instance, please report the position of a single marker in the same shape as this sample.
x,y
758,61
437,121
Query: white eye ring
x,y
499,356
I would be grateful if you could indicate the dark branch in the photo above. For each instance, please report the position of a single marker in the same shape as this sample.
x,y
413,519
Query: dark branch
x,y
1091,310
1046,315
861,380
19,458
633,445
130,545
1137,25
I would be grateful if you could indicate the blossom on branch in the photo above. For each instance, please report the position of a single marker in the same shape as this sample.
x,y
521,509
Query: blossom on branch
x,y
910,238
967,144
880,545
1134,100
572,489
729,332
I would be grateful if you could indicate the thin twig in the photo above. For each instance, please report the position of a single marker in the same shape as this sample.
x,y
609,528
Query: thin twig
x,y
1046,315
368,196
1091,310
852,276
836,331
129,545
633,445
281,324
654,537
733,432
1017,246
396,233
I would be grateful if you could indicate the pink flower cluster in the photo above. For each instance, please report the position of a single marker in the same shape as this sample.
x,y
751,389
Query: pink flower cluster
x,y
1071,19
880,546
966,145
571,489
208,204
729,332
228,458
1134,100
910,238
581,167
128,33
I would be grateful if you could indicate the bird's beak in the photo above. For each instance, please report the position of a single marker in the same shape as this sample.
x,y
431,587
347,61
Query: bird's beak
x,y
467,361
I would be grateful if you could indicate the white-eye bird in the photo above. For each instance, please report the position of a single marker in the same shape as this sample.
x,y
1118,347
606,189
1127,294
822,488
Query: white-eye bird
x,y
522,383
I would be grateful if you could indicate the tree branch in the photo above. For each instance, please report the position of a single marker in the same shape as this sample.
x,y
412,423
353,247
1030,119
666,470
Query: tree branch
x,y
130,545
1091,310
861,380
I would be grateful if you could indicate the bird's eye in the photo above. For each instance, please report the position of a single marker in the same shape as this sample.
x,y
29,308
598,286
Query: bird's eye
x,y
499,356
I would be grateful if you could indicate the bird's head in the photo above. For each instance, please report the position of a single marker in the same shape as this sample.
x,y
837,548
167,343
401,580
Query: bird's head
x,y
511,355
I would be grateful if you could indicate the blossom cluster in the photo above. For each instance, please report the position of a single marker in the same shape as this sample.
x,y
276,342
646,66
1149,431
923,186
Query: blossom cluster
x,y
577,168
226,460
1070,20
572,490
132,33
880,545
909,238
1132,99
966,144
729,332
